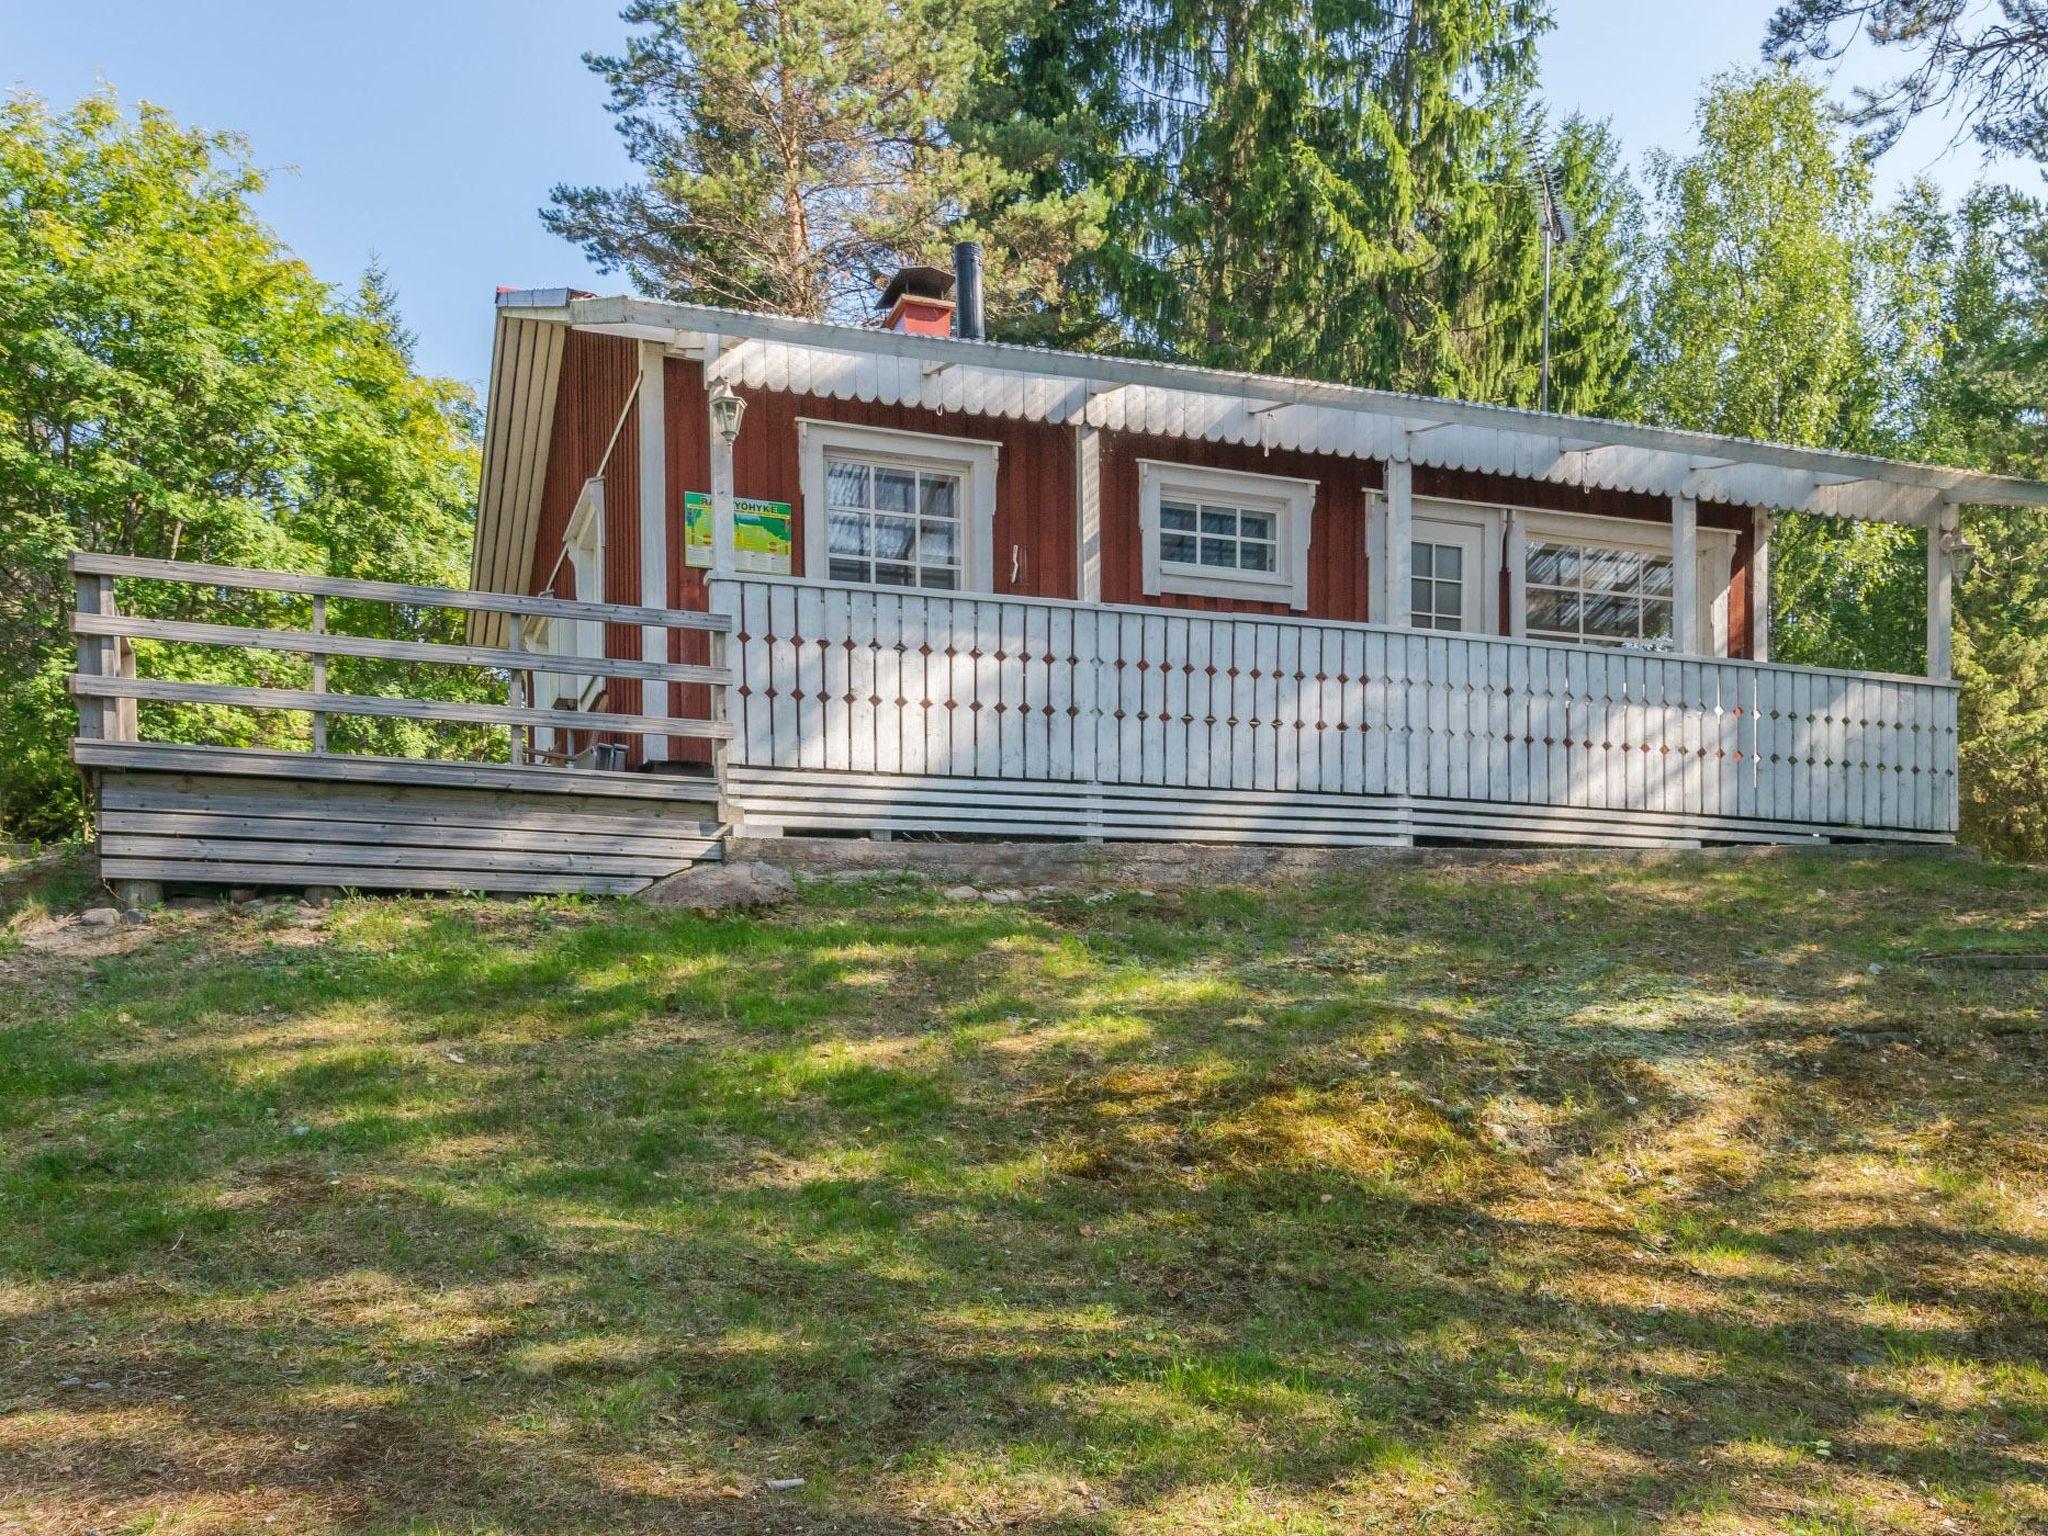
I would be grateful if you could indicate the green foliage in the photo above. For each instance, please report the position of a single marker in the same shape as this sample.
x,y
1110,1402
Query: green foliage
x,y
1322,189
1597,287
173,383
1773,269
1754,324
1983,408
1787,306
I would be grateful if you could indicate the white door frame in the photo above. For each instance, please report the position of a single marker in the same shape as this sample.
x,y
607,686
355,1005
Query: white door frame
x,y
1461,516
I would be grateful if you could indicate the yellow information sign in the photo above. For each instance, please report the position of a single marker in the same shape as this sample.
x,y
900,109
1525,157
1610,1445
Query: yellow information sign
x,y
760,534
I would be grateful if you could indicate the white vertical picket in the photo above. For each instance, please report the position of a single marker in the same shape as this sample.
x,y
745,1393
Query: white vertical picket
x,y
1007,701
1201,703
1173,732
1413,670
1151,765
756,740
1059,694
888,682
1287,706
861,724
1448,678
949,724
783,625
1696,727
1034,703
810,677
1374,716
1340,717
1343,710
1108,682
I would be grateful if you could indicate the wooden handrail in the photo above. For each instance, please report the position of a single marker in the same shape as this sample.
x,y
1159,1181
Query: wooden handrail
x,y
85,685
241,578
315,643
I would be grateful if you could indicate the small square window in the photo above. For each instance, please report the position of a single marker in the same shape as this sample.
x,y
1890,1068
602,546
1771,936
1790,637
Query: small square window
x,y
1225,533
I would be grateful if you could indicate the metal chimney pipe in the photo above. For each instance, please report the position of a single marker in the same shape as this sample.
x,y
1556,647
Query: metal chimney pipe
x,y
967,313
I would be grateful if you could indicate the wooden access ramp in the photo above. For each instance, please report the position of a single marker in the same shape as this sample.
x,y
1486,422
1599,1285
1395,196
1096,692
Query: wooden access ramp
x,y
547,804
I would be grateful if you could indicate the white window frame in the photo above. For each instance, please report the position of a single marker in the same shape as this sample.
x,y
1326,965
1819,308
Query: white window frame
x,y
583,553
974,459
1716,564
583,546
1291,501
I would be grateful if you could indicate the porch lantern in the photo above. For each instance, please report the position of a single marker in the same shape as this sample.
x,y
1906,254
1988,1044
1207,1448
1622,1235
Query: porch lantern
x,y
1959,550
727,410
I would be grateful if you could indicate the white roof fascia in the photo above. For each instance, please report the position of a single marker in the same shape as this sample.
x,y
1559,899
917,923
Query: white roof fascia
x,y
1837,480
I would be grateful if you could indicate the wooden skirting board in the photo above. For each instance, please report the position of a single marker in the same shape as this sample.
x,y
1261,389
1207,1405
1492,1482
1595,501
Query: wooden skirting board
x,y
768,801
222,816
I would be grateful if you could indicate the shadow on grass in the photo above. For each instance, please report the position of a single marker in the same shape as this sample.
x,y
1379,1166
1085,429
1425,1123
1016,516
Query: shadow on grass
x,y
1163,1211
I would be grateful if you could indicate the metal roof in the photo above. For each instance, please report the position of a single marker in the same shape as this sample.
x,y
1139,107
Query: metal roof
x,y
984,378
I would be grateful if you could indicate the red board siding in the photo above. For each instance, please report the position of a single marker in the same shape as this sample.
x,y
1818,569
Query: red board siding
x,y
1035,529
1034,472
1337,575
597,382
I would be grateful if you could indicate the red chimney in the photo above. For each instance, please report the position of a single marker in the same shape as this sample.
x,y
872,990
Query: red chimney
x,y
919,302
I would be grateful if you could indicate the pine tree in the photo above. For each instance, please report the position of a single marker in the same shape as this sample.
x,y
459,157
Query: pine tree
x,y
1596,287
1048,108
798,151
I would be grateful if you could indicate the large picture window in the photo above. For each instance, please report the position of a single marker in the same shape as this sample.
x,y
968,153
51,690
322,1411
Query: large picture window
x,y
892,524
897,509
1225,533
1596,594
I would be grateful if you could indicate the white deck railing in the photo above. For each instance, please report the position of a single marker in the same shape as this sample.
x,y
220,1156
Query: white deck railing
x,y
108,689
862,680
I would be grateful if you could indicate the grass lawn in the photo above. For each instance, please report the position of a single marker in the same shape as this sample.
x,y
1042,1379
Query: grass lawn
x,y
1561,1197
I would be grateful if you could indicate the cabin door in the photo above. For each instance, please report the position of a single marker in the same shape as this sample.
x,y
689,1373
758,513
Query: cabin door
x,y
1447,575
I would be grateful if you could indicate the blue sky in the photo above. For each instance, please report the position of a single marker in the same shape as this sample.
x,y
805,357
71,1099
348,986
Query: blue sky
x,y
428,132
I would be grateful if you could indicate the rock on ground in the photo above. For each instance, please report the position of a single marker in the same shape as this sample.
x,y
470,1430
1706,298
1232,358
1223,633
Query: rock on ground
x,y
738,886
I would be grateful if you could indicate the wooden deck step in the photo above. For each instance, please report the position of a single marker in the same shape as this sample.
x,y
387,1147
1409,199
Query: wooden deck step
x,y
214,817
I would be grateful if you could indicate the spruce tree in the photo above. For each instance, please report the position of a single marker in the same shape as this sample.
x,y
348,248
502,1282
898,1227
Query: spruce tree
x,y
1327,187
